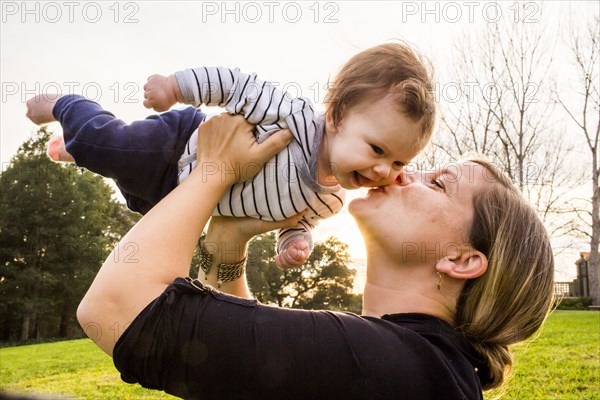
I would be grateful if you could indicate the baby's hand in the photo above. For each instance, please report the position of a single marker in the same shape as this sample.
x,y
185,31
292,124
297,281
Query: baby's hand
x,y
39,108
294,255
161,92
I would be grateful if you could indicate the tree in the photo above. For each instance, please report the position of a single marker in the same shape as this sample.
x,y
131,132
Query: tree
x,y
504,110
323,282
57,225
585,52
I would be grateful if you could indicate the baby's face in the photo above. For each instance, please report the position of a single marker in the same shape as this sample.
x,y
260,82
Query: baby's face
x,y
371,145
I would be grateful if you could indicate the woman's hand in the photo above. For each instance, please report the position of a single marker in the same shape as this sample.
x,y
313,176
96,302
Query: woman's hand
x,y
241,230
227,148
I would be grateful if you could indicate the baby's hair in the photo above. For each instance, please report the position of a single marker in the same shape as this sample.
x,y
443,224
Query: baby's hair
x,y
394,71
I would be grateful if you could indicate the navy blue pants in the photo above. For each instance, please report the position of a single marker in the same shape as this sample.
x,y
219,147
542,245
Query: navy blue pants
x,y
141,157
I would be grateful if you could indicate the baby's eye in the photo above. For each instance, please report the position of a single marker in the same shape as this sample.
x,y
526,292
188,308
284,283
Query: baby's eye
x,y
398,164
377,149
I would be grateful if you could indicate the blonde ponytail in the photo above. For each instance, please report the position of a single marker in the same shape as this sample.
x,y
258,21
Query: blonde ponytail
x,y
512,299
499,360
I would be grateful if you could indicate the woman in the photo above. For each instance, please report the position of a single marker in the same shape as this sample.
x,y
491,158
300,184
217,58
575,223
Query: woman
x,y
458,268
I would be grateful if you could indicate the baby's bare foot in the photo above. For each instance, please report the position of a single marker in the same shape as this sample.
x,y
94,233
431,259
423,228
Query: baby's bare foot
x,y
57,151
294,255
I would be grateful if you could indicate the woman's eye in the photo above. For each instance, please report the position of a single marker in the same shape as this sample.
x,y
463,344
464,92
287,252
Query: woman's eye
x,y
438,183
377,149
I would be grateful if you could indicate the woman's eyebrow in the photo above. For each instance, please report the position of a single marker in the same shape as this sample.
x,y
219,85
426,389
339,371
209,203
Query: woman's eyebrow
x,y
447,171
451,178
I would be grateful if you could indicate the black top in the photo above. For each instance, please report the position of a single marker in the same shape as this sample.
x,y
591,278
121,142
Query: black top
x,y
196,342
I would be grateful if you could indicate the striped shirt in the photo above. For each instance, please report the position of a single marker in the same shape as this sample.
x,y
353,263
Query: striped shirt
x,y
287,184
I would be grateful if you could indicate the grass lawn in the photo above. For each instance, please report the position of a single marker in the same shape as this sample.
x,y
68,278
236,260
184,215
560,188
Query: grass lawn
x,y
563,363
73,369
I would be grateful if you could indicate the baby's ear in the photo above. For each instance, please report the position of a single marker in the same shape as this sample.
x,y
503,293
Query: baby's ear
x,y
329,125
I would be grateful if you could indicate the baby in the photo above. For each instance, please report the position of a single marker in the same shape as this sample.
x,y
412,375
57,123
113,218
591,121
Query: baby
x,y
380,113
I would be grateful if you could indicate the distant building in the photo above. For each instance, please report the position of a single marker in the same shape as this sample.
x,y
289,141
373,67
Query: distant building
x,y
579,287
582,274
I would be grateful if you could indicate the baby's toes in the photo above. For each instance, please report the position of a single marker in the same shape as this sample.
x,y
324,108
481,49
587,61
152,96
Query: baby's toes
x,y
294,255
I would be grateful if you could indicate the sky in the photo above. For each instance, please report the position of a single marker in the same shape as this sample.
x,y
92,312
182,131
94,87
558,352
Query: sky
x,y
106,50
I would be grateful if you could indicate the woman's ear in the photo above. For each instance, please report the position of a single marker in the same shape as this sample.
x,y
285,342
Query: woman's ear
x,y
469,264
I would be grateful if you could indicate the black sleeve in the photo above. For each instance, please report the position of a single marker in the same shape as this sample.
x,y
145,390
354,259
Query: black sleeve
x,y
196,342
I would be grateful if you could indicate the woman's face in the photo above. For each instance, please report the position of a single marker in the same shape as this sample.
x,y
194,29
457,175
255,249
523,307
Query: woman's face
x,y
423,216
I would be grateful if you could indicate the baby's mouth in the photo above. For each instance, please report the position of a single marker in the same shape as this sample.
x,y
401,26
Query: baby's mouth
x,y
360,180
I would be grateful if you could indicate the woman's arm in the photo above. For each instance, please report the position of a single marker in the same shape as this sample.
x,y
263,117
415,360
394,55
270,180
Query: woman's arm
x,y
227,240
160,246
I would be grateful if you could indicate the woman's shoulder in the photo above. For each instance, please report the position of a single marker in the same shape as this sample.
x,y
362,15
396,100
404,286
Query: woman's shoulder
x,y
418,345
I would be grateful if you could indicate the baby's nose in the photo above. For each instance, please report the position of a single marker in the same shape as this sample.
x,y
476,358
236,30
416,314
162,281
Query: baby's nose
x,y
383,170
404,178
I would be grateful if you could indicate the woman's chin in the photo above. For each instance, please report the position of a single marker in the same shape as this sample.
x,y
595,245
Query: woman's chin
x,y
357,206
362,211
371,201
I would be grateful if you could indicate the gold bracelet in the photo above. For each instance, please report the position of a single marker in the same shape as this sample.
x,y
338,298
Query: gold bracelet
x,y
225,272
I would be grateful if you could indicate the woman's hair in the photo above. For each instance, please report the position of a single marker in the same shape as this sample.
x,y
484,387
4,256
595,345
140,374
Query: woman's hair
x,y
391,70
512,299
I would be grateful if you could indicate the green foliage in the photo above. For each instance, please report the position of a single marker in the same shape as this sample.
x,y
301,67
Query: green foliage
x,y
323,282
57,225
563,363
573,303
73,369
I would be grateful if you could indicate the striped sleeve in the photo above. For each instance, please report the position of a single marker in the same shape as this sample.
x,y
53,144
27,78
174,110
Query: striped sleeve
x,y
206,85
261,102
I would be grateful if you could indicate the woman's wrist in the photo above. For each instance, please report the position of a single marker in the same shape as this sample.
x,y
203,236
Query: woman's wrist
x,y
213,174
223,265
226,246
227,232
225,250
